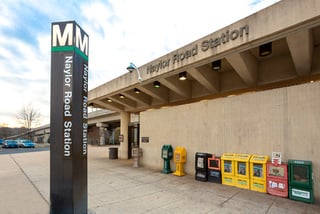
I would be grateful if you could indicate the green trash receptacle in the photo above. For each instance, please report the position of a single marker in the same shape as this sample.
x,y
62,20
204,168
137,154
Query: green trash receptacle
x,y
113,153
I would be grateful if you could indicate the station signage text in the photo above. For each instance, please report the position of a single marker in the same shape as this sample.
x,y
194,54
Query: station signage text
x,y
204,45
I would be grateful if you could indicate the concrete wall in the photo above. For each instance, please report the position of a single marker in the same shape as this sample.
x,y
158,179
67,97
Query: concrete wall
x,y
284,119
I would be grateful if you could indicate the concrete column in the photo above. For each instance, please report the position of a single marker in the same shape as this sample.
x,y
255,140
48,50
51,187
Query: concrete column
x,y
102,133
124,123
102,136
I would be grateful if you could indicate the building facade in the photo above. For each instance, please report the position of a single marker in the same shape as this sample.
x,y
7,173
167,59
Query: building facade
x,y
251,87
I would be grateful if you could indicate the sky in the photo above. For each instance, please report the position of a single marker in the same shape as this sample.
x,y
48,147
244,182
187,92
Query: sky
x,y
120,31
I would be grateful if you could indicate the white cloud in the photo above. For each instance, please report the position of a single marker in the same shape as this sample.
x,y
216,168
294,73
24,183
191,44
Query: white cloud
x,y
142,30
120,31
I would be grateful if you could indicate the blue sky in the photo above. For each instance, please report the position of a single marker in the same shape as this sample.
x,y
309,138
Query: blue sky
x,y
120,31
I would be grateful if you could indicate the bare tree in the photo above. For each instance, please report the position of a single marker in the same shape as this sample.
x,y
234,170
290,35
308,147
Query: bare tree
x,y
28,116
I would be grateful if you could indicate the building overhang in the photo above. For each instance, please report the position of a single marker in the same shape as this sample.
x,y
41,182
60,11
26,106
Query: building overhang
x,y
291,26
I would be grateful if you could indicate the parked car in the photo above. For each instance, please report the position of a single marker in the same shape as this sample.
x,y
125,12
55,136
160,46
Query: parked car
x,y
1,141
10,144
26,144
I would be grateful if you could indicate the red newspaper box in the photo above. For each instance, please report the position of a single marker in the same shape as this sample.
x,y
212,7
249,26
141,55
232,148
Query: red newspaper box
x,y
277,179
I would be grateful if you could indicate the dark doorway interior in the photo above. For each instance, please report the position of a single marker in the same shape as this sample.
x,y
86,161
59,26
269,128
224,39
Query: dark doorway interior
x,y
133,138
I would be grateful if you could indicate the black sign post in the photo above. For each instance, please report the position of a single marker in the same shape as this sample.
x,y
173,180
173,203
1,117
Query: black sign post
x,y
68,119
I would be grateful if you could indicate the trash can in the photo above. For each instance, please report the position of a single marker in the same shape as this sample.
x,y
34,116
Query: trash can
x,y
113,153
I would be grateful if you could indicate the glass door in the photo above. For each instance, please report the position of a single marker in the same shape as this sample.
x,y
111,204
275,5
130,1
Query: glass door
x,y
133,138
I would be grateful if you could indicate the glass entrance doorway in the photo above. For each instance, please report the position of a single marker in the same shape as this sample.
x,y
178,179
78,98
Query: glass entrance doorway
x,y
133,138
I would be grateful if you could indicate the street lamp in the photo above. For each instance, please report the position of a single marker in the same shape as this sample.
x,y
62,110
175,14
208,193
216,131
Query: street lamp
x,y
131,68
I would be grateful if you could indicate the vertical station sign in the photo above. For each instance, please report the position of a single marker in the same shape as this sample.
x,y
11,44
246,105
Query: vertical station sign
x,y
68,118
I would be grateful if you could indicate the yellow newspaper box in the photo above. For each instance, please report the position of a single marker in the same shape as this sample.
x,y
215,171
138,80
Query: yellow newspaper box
x,y
242,170
258,173
227,169
180,157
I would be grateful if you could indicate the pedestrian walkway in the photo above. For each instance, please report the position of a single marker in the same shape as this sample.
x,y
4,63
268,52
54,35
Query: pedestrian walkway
x,y
115,186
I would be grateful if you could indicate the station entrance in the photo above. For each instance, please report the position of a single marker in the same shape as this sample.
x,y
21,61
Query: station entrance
x,y
133,137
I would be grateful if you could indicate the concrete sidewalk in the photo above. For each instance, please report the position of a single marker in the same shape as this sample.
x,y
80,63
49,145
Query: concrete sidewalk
x,y
117,187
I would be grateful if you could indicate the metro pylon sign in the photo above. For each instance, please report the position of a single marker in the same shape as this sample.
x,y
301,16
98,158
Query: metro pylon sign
x,y
68,118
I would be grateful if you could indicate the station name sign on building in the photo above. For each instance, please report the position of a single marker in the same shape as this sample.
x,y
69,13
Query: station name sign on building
x,y
204,45
69,118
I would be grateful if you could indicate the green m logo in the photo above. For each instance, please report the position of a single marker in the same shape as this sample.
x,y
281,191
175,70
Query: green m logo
x,y
68,35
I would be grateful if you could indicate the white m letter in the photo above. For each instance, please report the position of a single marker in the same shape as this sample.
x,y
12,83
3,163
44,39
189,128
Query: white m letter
x,y
67,35
82,44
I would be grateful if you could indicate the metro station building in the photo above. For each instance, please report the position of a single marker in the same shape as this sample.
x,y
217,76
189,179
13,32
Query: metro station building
x,y
251,87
